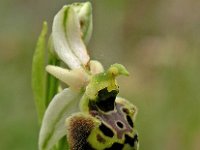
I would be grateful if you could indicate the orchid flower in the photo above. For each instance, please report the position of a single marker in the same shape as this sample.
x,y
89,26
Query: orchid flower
x,y
80,110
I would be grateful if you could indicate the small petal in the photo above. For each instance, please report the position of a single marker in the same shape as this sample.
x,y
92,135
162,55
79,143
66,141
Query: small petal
x,y
74,78
96,67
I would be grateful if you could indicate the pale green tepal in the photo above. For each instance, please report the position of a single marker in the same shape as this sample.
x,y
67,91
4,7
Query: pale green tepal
x,y
88,111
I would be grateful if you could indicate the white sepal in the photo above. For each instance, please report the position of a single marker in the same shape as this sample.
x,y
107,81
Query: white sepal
x,y
67,40
73,32
60,40
53,125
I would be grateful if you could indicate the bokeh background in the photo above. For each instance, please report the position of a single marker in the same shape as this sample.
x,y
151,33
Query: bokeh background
x,y
158,41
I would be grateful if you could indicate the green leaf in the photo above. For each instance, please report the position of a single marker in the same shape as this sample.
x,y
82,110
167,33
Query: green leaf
x,y
38,72
53,125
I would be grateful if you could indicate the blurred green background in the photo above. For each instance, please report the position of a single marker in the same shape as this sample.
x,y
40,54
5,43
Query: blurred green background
x,y
158,41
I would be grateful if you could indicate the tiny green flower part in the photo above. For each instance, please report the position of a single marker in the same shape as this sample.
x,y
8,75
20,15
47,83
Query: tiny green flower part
x,y
88,112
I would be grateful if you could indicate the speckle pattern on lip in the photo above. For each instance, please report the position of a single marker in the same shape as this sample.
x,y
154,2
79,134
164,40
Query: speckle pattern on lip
x,y
115,127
